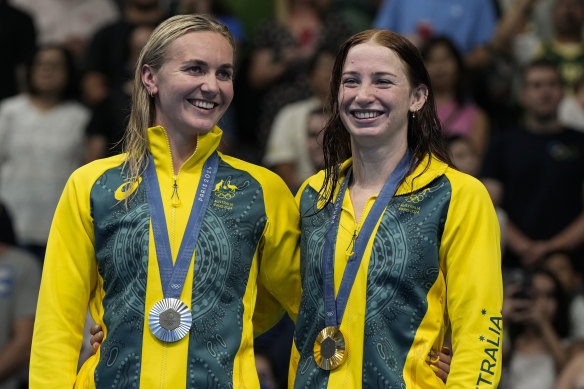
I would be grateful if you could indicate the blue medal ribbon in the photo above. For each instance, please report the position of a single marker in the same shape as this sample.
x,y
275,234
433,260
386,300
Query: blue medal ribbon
x,y
334,309
173,277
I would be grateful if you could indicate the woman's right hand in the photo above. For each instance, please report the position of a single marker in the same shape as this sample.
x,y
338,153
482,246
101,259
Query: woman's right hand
x,y
440,362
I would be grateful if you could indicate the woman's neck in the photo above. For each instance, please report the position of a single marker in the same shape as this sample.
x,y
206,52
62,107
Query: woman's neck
x,y
371,169
372,166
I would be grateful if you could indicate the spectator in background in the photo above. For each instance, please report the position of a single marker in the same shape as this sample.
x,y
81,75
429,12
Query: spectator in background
x,y
110,116
41,143
220,10
17,43
463,154
535,173
519,30
456,111
465,158
19,284
565,46
358,14
315,124
69,23
286,151
279,64
562,265
536,319
105,64
572,107
469,24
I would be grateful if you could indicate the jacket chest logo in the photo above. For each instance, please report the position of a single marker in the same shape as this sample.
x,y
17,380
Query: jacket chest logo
x,y
126,189
418,197
225,191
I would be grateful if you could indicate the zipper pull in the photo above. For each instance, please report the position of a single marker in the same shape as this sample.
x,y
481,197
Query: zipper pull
x,y
351,246
175,199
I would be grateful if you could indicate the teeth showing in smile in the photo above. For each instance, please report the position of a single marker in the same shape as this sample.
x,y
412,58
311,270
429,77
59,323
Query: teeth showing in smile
x,y
202,104
366,114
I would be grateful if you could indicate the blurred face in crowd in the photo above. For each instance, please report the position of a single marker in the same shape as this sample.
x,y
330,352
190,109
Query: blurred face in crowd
x,y
560,264
464,157
544,294
375,95
194,86
49,72
321,74
442,67
138,39
568,17
314,126
542,92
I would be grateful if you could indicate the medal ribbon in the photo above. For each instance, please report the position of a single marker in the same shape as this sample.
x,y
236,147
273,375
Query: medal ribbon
x,y
334,310
173,277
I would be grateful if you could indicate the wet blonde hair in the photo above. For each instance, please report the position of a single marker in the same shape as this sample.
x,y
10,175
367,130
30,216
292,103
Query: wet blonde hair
x,y
154,54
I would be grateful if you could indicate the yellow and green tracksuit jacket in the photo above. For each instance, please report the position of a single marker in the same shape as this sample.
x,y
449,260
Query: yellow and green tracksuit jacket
x,y
101,252
434,266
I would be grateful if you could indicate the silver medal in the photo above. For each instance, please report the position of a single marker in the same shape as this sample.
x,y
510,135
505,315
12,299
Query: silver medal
x,y
170,320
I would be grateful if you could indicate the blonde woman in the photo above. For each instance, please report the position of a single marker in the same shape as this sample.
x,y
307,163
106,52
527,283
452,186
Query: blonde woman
x,y
171,244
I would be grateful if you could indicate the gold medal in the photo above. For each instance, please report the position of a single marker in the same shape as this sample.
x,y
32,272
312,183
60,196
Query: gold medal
x,y
330,350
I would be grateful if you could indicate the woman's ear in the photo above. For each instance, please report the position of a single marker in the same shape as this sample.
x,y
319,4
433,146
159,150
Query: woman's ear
x,y
419,97
148,76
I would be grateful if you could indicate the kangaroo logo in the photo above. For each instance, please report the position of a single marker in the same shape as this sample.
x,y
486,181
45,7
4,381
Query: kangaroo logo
x,y
226,190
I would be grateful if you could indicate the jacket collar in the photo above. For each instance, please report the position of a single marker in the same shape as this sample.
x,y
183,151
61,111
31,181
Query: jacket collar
x,y
427,171
159,146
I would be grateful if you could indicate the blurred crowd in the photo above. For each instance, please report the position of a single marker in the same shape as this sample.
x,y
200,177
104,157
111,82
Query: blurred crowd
x,y
508,77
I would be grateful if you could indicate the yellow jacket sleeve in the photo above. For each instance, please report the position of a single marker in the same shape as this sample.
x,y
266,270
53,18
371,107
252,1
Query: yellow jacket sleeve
x,y
279,270
69,276
470,255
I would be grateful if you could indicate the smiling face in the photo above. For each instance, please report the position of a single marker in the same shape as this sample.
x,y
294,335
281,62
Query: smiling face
x,y
194,86
375,95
